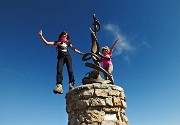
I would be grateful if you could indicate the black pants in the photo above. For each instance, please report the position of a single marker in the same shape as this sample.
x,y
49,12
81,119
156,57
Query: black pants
x,y
61,61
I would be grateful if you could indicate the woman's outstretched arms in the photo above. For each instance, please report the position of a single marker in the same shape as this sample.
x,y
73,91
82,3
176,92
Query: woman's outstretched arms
x,y
44,40
112,48
75,50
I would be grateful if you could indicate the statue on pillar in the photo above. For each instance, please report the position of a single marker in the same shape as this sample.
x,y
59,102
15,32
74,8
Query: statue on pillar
x,y
97,57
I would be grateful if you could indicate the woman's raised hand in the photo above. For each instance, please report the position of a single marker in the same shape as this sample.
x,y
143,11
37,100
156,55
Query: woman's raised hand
x,y
40,32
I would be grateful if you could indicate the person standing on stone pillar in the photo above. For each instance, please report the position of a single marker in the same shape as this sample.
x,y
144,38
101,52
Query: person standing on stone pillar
x,y
63,57
106,60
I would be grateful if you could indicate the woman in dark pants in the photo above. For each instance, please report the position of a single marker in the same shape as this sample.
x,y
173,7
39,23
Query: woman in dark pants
x,y
63,57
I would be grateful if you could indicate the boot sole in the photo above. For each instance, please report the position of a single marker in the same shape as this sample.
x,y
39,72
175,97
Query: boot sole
x,y
56,92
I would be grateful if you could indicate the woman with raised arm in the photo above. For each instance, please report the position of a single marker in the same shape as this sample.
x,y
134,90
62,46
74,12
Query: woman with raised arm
x,y
107,63
63,57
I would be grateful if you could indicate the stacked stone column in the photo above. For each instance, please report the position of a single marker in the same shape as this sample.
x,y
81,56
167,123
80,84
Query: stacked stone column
x,y
96,104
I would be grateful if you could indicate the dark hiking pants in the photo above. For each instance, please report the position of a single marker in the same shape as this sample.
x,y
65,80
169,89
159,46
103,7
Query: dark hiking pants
x,y
61,61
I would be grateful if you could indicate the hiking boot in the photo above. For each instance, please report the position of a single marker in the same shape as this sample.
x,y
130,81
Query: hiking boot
x,y
71,85
58,89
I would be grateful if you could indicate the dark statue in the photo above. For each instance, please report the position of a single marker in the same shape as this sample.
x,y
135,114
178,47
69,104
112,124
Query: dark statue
x,y
94,76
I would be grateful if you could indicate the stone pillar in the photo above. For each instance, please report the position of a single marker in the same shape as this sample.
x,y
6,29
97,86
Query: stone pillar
x,y
96,104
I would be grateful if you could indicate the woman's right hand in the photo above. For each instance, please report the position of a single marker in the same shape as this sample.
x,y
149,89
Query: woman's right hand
x,y
40,32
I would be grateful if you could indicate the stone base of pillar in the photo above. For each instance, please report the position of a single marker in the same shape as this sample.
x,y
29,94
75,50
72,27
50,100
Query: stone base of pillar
x,y
96,104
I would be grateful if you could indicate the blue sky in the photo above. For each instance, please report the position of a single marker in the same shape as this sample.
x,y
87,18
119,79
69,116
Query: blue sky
x,y
146,59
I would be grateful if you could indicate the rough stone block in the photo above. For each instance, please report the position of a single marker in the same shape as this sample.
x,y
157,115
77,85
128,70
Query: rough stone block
x,y
114,93
100,93
109,101
111,110
116,101
87,93
108,123
123,104
82,104
114,87
97,102
94,116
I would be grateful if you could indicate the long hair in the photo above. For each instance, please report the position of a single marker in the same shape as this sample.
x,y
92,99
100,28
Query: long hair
x,y
105,48
63,33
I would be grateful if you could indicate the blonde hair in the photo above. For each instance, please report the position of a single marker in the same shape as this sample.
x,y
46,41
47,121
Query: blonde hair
x,y
105,48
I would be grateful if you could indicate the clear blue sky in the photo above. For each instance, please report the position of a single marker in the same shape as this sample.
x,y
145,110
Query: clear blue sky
x,y
146,60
